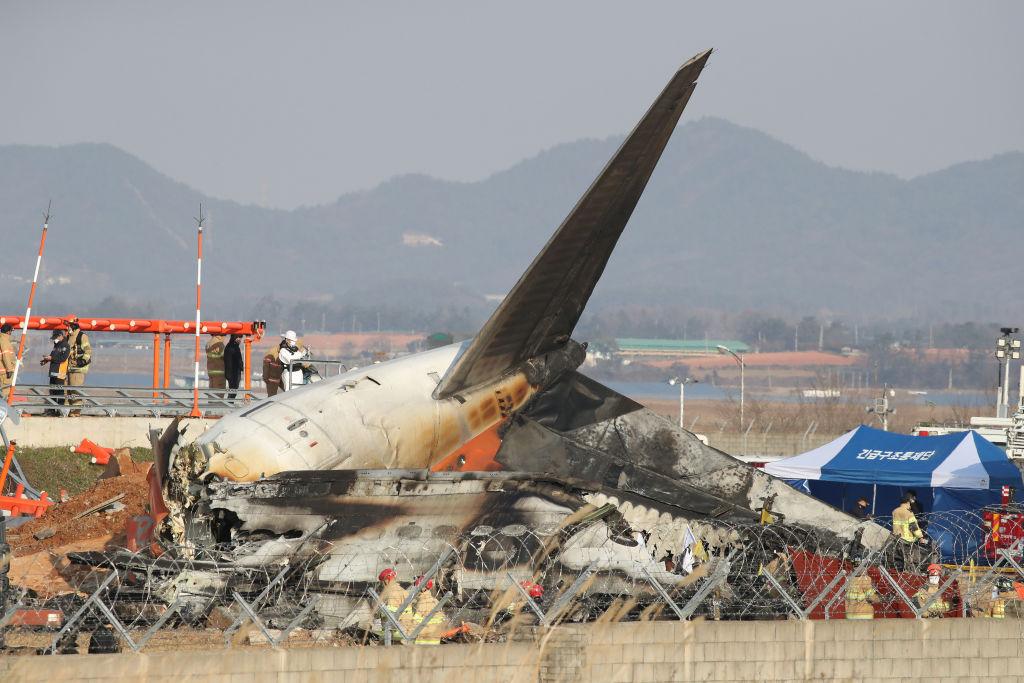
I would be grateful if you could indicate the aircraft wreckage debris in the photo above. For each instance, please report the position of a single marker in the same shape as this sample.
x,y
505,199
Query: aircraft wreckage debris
x,y
287,511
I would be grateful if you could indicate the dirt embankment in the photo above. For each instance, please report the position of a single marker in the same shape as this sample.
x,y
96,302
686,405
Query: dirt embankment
x,y
105,528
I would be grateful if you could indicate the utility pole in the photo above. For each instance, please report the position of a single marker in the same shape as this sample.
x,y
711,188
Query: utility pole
x,y
881,408
743,365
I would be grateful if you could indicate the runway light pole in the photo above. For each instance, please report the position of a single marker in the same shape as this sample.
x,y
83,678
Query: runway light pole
x,y
682,382
1007,349
28,311
743,365
199,288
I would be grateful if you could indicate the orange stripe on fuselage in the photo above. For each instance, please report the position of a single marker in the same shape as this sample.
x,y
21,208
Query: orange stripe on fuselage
x,y
476,455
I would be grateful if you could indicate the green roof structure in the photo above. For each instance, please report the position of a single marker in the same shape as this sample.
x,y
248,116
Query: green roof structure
x,y
679,346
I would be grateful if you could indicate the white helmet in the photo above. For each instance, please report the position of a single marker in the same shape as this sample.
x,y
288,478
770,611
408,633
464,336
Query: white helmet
x,y
290,336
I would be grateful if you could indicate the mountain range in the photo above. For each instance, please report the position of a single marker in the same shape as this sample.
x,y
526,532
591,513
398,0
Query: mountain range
x,y
732,219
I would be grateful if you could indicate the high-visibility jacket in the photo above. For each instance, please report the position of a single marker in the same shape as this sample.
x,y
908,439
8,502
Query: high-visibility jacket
x,y
59,355
8,359
431,633
215,355
859,597
938,608
81,352
392,596
904,525
994,607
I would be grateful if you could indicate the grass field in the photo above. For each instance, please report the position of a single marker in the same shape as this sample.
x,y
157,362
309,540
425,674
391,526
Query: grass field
x,y
53,469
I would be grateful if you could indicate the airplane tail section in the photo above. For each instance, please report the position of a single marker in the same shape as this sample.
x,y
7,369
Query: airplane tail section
x,y
541,311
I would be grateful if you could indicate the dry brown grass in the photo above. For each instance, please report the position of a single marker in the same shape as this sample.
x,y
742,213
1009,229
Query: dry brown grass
x,y
832,417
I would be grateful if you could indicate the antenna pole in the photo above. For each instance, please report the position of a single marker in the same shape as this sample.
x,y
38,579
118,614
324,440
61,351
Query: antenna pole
x,y
199,289
28,309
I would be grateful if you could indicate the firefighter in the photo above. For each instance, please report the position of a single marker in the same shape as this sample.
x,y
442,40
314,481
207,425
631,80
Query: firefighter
x,y
860,598
58,359
994,607
78,363
905,527
233,364
215,361
518,604
939,605
272,372
392,597
8,359
424,605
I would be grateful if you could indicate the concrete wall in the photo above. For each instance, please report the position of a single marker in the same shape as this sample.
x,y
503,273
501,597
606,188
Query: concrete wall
x,y
941,650
111,432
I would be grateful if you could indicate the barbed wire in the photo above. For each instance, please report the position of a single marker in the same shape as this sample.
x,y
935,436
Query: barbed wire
x,y
488,583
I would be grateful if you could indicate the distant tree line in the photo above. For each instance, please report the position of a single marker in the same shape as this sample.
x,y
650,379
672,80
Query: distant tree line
x,y
893,352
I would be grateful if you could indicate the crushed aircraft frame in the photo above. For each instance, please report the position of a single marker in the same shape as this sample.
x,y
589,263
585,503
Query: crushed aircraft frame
x,y
500,432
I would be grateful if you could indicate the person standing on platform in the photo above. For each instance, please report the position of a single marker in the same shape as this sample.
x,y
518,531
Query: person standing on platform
x,y
290,353
233,364
78,363
58,360
8,359
215,361
272,369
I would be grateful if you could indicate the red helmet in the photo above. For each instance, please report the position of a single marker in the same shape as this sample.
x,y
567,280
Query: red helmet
x,y
388,574
534,590
935,569
419,580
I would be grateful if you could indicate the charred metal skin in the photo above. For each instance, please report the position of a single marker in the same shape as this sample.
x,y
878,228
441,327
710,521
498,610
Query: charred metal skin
x,y
586,432
377,515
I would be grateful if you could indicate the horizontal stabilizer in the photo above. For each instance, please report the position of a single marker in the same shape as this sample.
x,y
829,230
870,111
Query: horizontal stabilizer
x,y
541,311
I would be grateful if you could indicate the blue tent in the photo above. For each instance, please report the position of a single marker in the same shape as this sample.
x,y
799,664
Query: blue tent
x,y
961,471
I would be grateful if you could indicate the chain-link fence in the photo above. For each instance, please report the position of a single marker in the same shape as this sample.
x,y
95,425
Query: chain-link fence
x,y
488,583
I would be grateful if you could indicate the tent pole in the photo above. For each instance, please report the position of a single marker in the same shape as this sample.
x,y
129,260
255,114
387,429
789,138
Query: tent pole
x,y
874,497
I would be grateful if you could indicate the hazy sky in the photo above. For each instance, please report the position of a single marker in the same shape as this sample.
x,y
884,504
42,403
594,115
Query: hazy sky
x,y
296,103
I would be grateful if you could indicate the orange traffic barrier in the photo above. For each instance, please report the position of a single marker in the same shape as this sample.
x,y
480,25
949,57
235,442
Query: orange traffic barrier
x,y
98,455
